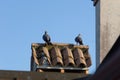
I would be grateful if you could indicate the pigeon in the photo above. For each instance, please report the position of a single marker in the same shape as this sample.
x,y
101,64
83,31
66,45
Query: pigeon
x,y
78,40
47,38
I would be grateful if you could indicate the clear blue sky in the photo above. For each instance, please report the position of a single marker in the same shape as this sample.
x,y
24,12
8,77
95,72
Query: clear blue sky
x,y
23,22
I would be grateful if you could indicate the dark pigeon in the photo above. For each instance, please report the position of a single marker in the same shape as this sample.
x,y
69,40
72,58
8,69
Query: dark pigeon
x,y
78,40
46,38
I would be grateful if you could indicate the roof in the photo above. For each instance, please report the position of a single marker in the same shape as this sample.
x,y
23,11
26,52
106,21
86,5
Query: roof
x,y
59,55
109,68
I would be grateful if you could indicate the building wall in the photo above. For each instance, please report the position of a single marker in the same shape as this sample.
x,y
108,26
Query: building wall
x,y
30,75
107,26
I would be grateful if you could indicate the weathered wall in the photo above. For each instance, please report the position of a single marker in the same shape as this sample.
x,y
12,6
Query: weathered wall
x,y
27,75
107,26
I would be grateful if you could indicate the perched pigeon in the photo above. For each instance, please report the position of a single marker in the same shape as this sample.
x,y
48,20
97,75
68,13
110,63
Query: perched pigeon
x,y
46,38
78,39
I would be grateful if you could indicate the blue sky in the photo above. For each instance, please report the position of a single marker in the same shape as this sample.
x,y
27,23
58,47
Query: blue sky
x,y
23,22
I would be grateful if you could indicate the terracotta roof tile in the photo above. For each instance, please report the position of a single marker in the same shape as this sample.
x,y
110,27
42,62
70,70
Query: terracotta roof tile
x,y
68,57
79,58
56,56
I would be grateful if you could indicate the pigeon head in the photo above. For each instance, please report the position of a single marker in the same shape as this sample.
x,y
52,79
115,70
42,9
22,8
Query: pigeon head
x,y
45,32
79,34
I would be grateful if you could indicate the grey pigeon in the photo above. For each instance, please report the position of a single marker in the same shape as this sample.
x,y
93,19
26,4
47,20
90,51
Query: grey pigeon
x,y
46,38
78,40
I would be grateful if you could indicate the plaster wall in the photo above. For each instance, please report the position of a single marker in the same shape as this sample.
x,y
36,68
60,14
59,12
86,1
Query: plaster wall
x,y
107,27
